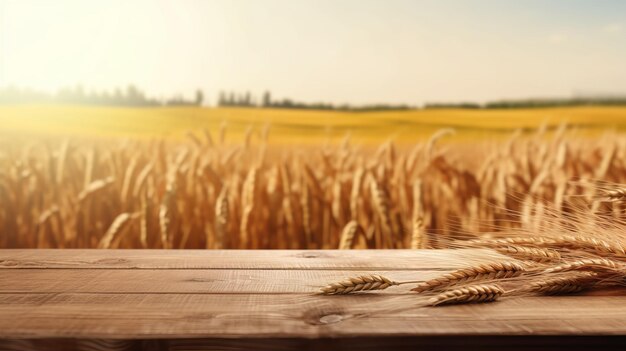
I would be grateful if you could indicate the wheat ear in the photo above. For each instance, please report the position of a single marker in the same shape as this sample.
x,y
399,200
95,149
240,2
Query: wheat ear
x,y
535,254
144,219
495,270
562,285
305,203
572,242
469,294
593,245
360,283
381,202
119,224
221,218
94,187
417,231
614,195
166,214
588,264
247,203
355,192
348,234
531,241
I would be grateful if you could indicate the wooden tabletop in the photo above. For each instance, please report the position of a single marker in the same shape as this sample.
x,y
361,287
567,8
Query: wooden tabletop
x,y
230,299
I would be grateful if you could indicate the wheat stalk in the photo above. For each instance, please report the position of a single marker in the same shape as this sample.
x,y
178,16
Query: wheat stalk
x,y
221,217
45,215
166,209
126,180
247,202
486,271
305,203
208,138
144,219
381,202
355,192
417,232
336,206
42,221
141,179
61,161
430,146
469,294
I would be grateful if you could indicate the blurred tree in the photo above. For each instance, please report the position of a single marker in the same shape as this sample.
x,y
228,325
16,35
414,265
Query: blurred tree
x,y
199,97
267,99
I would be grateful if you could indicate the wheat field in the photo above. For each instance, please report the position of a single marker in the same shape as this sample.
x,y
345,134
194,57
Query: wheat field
x,y
309,127
205,191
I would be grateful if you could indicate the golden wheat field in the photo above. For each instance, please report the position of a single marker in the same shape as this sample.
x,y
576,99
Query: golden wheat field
x,y
210,189
299,126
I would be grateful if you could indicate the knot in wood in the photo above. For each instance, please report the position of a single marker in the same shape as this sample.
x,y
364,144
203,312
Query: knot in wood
x,y
331,319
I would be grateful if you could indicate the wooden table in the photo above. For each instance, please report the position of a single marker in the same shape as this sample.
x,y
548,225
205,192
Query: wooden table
x,y
240,300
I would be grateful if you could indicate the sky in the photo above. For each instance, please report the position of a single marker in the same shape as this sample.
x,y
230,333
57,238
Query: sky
x,y
340,51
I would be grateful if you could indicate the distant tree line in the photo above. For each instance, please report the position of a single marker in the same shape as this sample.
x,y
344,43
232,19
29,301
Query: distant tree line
x,y
133,97
538,103
535,103
231,99
247,100
463,105
130,96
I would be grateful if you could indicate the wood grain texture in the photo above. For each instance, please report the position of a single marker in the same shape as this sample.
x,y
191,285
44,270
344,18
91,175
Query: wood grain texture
x,y
237,259
180,281
236,300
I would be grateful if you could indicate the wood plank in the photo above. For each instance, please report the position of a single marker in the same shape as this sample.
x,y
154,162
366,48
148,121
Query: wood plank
x,y
384,260
124,316
207,281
